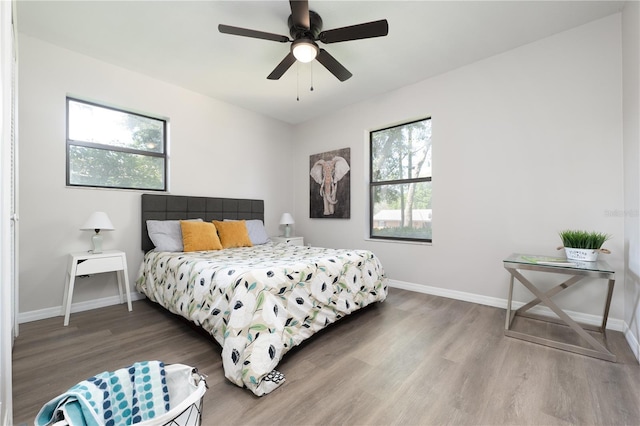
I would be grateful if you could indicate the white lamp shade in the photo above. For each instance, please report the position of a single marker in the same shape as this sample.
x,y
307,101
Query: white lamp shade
x,y
286,219
98,220
304,50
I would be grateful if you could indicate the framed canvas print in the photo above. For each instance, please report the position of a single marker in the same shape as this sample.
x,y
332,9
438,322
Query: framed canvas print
x,y
330,184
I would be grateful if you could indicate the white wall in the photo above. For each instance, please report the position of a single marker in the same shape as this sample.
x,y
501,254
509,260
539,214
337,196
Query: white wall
x,y
631,132
7,307
525,144
215,150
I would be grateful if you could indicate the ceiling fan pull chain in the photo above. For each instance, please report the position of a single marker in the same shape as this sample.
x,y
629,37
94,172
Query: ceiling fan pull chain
x,y
311,67
297,81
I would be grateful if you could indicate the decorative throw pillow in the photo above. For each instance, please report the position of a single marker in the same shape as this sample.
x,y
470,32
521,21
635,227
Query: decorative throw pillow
x,y
233,234
199,236
257,234
166,235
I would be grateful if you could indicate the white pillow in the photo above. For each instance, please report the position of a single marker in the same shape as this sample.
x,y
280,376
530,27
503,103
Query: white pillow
x,y
257,233
166,235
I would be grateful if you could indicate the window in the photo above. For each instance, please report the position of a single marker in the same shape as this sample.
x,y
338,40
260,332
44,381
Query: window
x,y
112,148
400,182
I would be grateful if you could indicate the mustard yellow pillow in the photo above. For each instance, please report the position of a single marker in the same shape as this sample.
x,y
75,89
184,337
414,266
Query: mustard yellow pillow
x,y
198,236
233,234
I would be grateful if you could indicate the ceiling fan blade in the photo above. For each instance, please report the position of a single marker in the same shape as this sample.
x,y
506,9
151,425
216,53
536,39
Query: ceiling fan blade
x,y
282,67
355,32
226,29
333,65
300,13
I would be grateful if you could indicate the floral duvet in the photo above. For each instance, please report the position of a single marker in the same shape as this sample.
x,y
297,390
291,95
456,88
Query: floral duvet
x,y
259,302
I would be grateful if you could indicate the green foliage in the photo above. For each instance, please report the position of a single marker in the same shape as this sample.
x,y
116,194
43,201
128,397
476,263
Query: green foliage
x,y
101,167
148,139
583,239
405,232
114,148
401,152
394,196
401,166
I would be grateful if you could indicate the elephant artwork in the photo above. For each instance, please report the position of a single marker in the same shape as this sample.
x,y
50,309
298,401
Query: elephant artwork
x,y
330,188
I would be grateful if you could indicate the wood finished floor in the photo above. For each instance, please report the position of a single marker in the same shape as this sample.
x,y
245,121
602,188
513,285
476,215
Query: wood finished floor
x,y
414,359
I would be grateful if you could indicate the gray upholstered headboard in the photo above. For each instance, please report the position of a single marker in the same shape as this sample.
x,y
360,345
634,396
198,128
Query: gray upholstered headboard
x,y
176,207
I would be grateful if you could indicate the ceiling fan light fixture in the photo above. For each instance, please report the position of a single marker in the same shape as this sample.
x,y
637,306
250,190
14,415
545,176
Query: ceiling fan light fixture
x,y
305,28
304,50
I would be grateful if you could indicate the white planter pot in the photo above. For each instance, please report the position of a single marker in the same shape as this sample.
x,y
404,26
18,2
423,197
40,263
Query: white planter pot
x,y
585,255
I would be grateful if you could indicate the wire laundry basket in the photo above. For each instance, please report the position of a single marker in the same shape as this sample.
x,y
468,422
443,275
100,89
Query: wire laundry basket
x,y
186,392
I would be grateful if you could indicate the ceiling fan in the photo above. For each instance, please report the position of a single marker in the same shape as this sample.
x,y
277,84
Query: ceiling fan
x,y
305,27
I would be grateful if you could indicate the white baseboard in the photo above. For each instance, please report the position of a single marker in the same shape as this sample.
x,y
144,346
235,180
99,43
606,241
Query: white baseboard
x,y
6,416
632,341
612,323
75,307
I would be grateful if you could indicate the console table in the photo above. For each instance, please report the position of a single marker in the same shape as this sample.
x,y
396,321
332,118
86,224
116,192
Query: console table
x,y
576,271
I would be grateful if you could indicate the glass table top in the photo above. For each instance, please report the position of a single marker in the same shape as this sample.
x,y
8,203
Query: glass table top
x,y
559,262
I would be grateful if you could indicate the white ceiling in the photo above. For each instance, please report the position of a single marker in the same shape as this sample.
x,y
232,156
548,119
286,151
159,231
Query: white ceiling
x,y
178,42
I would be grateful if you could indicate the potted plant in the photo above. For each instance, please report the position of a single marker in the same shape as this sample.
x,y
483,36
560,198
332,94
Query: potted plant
x,y
583,245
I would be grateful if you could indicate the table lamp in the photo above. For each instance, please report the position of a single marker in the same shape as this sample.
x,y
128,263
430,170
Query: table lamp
x,y
287,220
98,221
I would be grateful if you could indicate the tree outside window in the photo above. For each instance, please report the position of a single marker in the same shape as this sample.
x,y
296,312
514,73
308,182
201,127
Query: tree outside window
x,y
112,148
400,182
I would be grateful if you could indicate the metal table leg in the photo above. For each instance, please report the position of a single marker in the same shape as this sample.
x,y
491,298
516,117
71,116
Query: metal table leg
x,y
597,351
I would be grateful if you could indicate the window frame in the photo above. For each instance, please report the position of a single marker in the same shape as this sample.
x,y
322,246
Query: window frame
x,y
375,184
95,145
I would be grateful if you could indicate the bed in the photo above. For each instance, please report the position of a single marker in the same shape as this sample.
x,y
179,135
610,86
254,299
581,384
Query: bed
x,y
258,301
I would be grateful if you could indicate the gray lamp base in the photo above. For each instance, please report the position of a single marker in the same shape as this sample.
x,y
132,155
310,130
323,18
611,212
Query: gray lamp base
x,y
287,231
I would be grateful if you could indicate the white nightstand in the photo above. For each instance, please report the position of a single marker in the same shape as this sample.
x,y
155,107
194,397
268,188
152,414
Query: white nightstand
x,y
294,241
86,263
